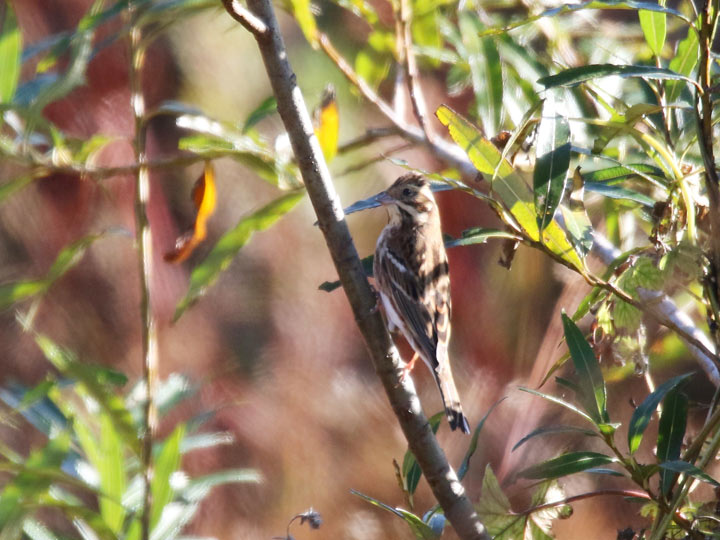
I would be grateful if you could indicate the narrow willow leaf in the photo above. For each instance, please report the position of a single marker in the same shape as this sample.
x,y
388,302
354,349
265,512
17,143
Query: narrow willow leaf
x,y
590,380
265,109
552,430
559,401
28,485
552,160
621,173
367,264
641,416
92,381
689,469
465,465
207,272
653,24
10,52
111,468
671,432
620,193
595,4
478,235
566,464
574,76
68,257
16,184
167,463
420,530
684,62
411,471
511,188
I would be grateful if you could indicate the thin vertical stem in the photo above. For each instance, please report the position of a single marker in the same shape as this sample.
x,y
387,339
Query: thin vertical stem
x,y
143,239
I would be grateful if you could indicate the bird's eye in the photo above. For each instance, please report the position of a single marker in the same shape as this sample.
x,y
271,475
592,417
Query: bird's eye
x,y
407,192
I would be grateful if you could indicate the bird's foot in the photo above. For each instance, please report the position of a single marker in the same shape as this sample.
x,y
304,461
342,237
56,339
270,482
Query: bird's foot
x,y
408,368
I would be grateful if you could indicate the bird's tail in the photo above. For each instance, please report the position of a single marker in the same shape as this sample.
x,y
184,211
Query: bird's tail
x,y
451,398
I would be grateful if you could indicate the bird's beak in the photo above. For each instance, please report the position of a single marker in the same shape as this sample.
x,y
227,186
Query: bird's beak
x,y
384,199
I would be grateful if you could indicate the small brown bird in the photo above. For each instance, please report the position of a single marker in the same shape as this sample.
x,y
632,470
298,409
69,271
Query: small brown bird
x,y
411,272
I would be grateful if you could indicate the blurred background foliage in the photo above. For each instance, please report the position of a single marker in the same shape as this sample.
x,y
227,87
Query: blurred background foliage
x,y
268,402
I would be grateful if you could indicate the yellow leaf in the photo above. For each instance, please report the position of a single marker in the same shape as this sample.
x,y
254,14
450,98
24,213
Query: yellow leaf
x,y
327,123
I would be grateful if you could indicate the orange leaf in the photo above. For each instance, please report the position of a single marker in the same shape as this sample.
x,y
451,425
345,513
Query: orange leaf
x,y
204,196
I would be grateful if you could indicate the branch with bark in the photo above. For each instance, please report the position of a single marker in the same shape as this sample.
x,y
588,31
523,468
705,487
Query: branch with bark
x,y
259,18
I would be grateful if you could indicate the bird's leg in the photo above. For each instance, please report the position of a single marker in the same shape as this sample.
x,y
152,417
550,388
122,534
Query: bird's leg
x,y
376,307
408,367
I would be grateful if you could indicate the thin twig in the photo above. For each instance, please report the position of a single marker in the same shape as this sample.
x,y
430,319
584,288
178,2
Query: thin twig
x,y
367,138
382,157
143,238
422,442
588,495
245,17
417,97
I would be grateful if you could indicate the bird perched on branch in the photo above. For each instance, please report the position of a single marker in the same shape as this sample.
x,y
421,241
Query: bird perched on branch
x,y
411,272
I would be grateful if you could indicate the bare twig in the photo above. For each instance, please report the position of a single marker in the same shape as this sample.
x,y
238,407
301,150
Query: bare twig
x,y
367,138
411,71
245,17
588,495
440,476
143,237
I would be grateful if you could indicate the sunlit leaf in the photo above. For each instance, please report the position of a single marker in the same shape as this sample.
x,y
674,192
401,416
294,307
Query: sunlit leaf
x,y
642,415
574,76
653,24
111,468
199,487
326,122
207,272
205,197
570,463
10,51
479,235
511,188
593,393
302,11
671,431
558,401
619,192
167,463
68,257
552,159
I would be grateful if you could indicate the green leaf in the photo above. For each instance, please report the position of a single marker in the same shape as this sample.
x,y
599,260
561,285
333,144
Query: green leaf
x,y
577,222
16,184
420,529
552,430
684,62
593,393
641,416
558,401
167,462
68,257
29,484
626,317
465,465
574,76
371,66
411,471
265,109
494,507
671,431
653,24
111,468
552,160
91,381
515,194
621,173
10,53
596,4
689,469
570,463
619,192
207,272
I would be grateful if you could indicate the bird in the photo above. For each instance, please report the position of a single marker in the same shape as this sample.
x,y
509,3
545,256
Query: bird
x,y
412,278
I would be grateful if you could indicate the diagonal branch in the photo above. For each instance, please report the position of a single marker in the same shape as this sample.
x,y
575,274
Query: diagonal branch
x,y
440,476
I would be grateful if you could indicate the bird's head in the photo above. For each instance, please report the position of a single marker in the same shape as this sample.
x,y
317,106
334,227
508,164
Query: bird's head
x,y
409,199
